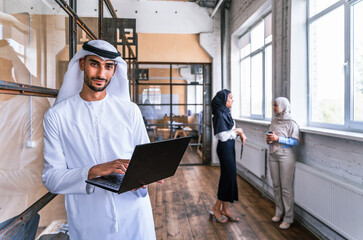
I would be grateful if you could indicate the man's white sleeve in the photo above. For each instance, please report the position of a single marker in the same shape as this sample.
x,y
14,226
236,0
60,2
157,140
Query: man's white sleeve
x,y
57,178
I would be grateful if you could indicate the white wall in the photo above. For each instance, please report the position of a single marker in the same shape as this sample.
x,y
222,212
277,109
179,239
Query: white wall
x,y
151,16
339,153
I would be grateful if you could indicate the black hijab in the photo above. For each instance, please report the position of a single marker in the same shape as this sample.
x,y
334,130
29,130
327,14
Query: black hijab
x,y
222,119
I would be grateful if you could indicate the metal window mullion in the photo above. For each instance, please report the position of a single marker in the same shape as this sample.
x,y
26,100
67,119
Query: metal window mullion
x,y
325,11
308,99
240,87
250,88
348,82
263,85
171,101
262,18
204,109
256,51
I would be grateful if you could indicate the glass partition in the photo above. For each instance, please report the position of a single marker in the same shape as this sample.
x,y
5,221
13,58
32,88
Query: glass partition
x,y
33,51
172,99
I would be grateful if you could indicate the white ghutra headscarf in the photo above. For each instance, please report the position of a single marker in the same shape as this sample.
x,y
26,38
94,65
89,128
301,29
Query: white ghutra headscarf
x,y
74,77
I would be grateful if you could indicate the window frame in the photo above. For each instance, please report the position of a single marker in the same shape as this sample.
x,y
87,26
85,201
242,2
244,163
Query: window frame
x,y
261,50
349,123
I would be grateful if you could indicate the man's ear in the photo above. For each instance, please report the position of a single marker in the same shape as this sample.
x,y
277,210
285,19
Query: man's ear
x,y
81,64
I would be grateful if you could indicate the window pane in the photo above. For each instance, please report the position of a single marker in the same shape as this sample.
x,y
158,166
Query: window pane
x,y
32,51
257,36
268,82
268,28
358,61
244,45
245,85
326,68
158,92
256,84
317,6
245,51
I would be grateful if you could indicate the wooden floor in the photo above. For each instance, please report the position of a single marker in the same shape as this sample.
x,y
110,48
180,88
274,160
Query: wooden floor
x,y
181,206
190,156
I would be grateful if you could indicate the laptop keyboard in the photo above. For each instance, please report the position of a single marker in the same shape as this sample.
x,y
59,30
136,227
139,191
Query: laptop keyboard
x,y
113,180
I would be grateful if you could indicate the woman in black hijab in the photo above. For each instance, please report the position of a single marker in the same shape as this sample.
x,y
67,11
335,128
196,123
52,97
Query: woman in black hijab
x,y
224,129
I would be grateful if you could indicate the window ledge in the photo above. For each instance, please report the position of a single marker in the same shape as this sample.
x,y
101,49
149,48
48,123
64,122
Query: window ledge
x,y
254,121
333,133
313,130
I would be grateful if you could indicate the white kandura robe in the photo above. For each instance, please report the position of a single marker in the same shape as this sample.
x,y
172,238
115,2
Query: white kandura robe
x,y
80,134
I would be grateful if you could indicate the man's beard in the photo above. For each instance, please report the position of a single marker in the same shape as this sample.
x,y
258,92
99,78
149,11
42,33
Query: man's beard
x,y
94,88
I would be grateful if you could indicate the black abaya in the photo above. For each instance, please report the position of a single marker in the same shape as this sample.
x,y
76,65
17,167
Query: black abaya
x,y
227,188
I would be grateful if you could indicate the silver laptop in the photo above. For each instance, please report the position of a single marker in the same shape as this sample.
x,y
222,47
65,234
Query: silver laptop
x,y
149,163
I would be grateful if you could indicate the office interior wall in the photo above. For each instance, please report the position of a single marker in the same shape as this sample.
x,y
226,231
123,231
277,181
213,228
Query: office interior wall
x,y
183,48
326,150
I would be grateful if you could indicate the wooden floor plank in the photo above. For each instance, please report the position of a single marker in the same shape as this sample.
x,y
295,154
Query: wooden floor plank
x,y
199,222
181,209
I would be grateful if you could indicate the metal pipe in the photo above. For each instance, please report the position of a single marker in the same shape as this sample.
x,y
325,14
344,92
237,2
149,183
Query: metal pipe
x,y
100,19
25,89
216,8
110,8
222,46
19,221
80,23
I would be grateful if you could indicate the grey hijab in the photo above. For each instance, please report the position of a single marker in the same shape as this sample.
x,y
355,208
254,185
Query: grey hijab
x,y
283,124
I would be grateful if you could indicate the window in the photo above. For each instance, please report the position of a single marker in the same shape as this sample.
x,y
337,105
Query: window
x,y
255,54
151,95
335,64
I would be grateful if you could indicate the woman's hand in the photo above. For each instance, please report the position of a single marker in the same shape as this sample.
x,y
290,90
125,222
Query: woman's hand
x,y
271,138
243,138
240,133
115,166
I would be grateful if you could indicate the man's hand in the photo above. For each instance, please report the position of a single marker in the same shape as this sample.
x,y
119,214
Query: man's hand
x,y
116,166
161,181
144,186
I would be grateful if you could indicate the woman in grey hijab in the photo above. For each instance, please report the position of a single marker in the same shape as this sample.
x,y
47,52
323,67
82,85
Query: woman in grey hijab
x,y
282,136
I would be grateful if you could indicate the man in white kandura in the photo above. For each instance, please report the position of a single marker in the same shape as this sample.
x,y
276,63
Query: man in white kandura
x,y
92,130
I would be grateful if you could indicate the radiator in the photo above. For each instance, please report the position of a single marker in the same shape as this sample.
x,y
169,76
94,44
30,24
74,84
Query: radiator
x,y
253,158
332,200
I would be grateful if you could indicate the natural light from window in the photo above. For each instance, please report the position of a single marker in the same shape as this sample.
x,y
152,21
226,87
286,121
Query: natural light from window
x,y
327,68
358,61
255,54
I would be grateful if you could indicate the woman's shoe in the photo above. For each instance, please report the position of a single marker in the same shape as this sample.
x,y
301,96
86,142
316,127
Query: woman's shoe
x,y
233,219
285,225
230,218
276,219
221,219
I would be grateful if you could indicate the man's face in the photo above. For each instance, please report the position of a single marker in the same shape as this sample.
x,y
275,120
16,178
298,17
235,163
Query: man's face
x,y
97,72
